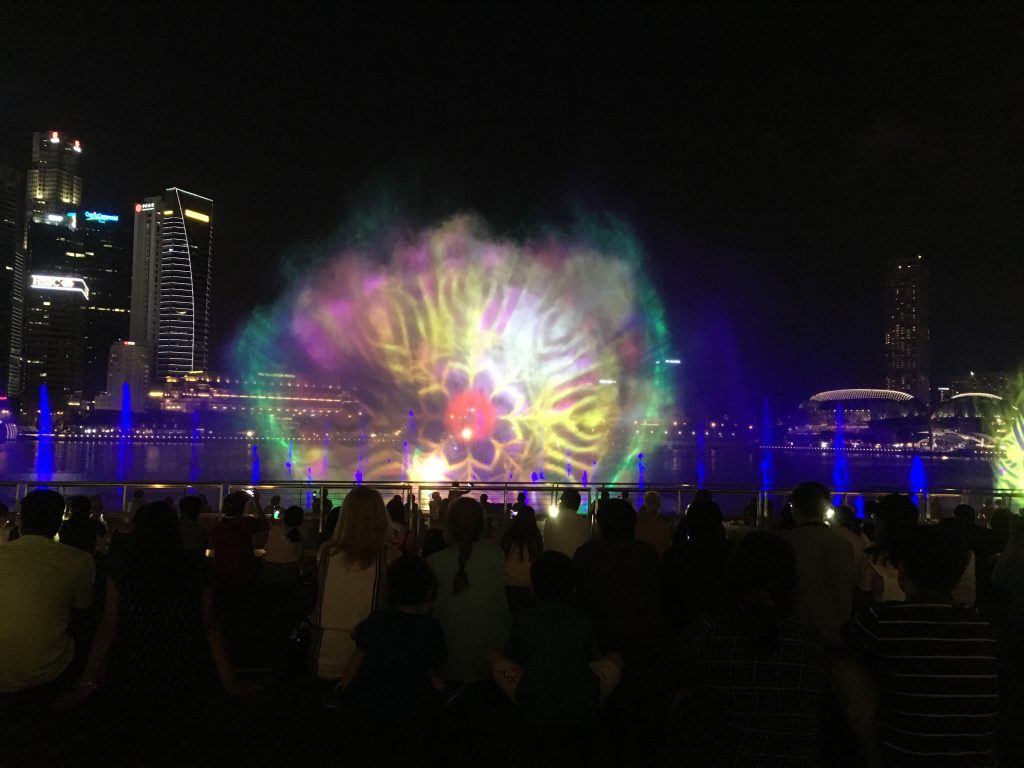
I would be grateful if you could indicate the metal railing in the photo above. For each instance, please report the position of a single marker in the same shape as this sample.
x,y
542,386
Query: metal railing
x,y
737,502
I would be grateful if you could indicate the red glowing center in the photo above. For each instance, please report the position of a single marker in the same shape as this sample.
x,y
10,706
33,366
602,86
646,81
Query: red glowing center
x,y
470,416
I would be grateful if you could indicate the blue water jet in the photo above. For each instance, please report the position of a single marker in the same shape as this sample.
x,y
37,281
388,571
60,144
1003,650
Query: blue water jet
x,y
700,454
568,465
309,493
840,468
44,448
918,483
640,470
767,460
291,457
583,479
255,465
193,455
125,432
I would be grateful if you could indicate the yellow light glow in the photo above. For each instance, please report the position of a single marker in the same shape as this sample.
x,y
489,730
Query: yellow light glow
x,y
553,511
431,469
168,213
190,214
467,433
156,393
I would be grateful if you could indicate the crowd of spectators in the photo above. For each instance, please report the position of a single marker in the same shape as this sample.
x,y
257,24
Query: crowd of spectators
x,y
465,637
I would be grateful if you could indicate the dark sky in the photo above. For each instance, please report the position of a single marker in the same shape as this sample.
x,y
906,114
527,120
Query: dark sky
x,y
769,161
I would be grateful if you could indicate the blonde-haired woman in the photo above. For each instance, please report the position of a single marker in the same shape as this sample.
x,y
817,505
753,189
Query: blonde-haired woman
x,y
352,583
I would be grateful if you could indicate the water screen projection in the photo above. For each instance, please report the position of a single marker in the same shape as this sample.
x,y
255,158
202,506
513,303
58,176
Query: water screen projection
x,y
1009,462
473,357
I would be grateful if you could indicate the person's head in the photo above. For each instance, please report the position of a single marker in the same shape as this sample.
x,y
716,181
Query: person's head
x,y
965,513
846,517
190,507
810,501
895,518
617,519
234,504
275,501
138,495
483,498
363,528
761,581
436,496
553,577
570,500
932,560
520,498
42,512
652,503
5,512
292,520
433,541
79,506
96,505
396,510
155,559
464,525
522,537
704,520
410,582
326,505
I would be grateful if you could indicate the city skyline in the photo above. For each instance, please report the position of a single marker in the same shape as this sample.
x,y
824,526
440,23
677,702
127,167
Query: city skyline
x,y
765,195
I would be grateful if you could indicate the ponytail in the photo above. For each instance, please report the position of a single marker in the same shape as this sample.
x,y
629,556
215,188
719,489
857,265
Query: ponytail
x,y
461,580
465,523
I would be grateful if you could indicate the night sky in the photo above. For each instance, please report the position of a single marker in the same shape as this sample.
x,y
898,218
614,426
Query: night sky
x,y
769,162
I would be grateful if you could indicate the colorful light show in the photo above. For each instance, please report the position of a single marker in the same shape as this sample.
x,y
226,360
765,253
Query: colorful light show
x,y
1009,461
484,359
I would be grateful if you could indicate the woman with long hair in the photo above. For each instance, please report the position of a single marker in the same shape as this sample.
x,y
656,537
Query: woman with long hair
x,y
522,544
158,633
471,602
352,579
755,646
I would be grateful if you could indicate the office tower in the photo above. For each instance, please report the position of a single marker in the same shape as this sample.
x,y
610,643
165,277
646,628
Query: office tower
x,y
104,264
12,274
52,184
907,332
55,307
128,363
92,249
171,266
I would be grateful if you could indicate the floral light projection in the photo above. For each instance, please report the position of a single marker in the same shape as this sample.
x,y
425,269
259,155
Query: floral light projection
x,y
512,356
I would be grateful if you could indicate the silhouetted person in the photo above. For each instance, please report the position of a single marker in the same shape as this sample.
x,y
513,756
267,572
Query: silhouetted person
x,y
757,676
695,567
80,530
234,562
929,643
522,545
43,583
194,537
825,565
567,530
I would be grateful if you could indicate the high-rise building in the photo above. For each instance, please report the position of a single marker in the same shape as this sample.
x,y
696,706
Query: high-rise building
x,y
171,278
907,332
91,251
12,273
55,309
52,184
128,364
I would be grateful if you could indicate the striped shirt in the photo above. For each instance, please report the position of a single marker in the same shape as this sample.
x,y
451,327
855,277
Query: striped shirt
x,y
938,686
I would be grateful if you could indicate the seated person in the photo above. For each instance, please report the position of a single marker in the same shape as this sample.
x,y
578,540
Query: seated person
x,y
934,660
754,677
550,667
194,537
43,583
392,676
80,530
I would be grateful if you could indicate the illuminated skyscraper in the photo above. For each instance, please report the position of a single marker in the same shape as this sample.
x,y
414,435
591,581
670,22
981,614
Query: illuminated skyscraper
x,y
171,278
52,184
12,274
907,333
